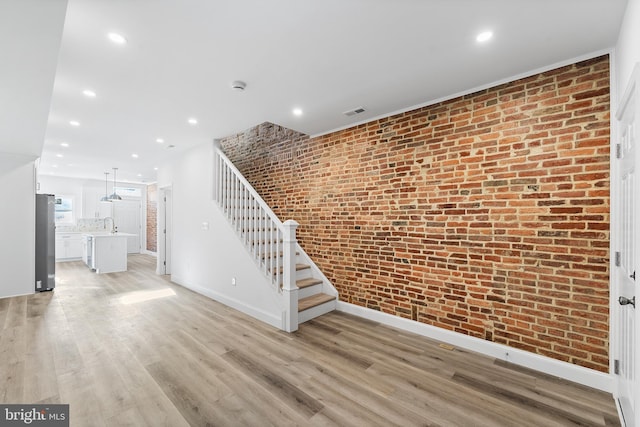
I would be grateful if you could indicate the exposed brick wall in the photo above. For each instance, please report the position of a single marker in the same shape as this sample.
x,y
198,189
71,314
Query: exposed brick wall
x,y
152,218
487,214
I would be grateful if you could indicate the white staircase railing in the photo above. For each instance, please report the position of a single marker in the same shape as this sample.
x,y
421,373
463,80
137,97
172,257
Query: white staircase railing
x,y
271,243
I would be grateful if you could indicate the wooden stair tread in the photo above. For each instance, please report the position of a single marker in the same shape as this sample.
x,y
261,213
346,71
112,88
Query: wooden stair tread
x,y
305,283
314,300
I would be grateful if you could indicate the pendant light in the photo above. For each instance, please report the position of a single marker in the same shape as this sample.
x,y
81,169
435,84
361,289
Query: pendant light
x,y
114,196
106,192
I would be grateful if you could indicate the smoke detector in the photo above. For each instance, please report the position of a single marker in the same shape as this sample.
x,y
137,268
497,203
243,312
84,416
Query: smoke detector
x,y
238,85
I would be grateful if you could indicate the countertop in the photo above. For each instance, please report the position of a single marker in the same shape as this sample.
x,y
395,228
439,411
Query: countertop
x,y
100,234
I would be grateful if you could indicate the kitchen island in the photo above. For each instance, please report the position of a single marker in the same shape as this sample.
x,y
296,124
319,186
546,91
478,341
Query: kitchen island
x,y
105,252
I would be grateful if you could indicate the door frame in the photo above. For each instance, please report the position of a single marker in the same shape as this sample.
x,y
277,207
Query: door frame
x,y
632,89
165,229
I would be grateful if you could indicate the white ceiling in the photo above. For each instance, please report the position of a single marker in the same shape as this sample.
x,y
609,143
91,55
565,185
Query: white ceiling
x,y
323,56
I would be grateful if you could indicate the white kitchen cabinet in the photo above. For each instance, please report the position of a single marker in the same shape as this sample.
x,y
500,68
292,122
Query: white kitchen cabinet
x,y
108,251
90,200
68,246
92,206
60,249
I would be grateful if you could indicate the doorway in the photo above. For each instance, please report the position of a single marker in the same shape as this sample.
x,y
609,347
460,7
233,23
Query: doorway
x,y
626,257
126,214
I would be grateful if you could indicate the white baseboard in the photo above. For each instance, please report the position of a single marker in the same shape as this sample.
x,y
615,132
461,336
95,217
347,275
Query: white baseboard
x,y
263,316
146,252
19,295
547,365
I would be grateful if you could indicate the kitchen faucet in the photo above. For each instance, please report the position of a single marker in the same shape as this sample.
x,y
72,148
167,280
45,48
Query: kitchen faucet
x,y
113,224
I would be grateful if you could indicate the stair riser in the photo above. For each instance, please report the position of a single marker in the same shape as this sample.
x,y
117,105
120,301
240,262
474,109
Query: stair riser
x,y
316,311
303,274
309,290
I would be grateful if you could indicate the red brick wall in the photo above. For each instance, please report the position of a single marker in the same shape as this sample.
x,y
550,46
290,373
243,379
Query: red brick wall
x,y
487,214
152,218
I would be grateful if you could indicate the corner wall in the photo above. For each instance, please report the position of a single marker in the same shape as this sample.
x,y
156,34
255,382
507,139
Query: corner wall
x,y
486,215
205,252
17,246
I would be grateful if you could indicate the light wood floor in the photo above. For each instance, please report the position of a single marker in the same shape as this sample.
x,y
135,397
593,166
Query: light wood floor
x,y
119,358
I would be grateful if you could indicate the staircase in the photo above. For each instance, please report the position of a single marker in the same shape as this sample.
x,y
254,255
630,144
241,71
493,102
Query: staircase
x,y
305,292
312,301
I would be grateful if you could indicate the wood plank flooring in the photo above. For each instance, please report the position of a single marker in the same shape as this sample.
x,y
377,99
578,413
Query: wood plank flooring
x,y
134,349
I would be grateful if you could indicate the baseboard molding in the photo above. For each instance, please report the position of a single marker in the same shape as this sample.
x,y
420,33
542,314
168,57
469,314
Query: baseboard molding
x,y
146,252
547,365
263,316
19,295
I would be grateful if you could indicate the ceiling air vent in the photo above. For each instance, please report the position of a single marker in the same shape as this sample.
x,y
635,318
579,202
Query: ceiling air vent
x,y
354,112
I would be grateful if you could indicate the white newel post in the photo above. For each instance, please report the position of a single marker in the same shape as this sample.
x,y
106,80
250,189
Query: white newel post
x,y
289,287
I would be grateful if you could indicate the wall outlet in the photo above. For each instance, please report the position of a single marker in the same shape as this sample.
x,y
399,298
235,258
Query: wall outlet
x,y
233,281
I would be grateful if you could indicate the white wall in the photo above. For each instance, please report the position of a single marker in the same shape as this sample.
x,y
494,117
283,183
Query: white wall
x,y
627,52
30,35
17,216
205,260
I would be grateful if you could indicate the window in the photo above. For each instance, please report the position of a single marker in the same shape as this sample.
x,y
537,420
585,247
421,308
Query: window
x,y
64,210
129,192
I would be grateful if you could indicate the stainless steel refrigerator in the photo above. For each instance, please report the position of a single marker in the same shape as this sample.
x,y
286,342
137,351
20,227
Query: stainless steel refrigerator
x,y
45,242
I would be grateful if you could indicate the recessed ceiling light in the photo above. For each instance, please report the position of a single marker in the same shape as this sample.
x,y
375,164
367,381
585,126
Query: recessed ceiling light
x,y
64,144
117,38
134,155
89,93
155,169
297,111
484,36
192,121
139,175
160,141
59,156
74,123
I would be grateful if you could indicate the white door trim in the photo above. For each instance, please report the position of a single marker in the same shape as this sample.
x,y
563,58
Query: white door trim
x,y
632,94
165,230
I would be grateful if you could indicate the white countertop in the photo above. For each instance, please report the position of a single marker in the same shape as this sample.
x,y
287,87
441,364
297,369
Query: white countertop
x,y
96,234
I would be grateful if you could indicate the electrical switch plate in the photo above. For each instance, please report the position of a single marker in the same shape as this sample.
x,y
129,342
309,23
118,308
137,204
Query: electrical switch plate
x,y
205,225
233,281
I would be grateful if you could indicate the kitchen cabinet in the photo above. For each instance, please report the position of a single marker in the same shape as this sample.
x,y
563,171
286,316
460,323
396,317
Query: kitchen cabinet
x,y
90,200
106,252
92,206
68,246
